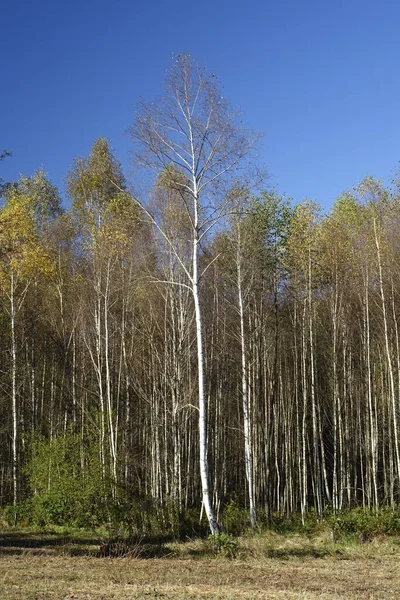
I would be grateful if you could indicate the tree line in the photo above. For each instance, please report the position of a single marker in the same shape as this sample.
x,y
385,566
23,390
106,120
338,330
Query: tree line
x,y
198,338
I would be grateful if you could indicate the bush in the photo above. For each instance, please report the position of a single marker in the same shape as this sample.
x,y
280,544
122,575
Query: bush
x,y
293,524
190,525
235,519
21,513
66,484
225,544
366,522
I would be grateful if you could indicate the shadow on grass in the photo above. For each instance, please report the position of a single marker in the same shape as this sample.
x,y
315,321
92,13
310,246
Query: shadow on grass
x,y
140,547
17,543
133,548
307,552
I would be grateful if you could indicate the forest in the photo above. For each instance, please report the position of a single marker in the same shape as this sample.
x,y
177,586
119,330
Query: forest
x,y
190,340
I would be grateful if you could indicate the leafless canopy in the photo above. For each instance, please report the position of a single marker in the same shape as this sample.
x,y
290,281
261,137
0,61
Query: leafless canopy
x,y
193,128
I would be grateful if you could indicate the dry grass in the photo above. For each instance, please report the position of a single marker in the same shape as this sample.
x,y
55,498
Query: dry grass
x,y
269,567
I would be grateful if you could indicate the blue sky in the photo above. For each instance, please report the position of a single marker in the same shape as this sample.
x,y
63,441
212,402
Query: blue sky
x,y
319,79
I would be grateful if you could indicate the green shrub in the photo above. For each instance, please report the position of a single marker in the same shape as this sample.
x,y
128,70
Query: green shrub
x,y
286,525
224,543
190,524
235,519
66,483
360,521
21,513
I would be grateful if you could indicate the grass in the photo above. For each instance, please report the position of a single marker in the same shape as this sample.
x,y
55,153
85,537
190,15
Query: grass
x,y
66,565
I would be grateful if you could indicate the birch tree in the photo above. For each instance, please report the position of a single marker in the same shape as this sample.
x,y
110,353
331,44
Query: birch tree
x,y
104,215
303,250
193,129
23,259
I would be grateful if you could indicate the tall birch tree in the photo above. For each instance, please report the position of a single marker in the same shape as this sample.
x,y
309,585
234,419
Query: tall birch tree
x,y
193,129
23,259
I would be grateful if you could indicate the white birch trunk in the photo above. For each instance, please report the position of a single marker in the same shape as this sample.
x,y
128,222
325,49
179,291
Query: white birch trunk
x,y
245,401
202,399
113,450
14,395
388,354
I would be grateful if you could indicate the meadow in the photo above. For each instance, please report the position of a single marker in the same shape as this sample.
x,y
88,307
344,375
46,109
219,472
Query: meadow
x,y
72,565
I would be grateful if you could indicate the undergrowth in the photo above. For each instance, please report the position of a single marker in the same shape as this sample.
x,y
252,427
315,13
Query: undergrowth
x,y
142,529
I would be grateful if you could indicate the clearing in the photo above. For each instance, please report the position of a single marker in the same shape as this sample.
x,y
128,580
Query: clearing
x,y
268,567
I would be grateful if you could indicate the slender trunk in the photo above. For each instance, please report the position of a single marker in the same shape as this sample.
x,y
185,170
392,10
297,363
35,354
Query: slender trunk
x,y
201,390
373,445
317,454
304,417
388,354
127,392
98,367
112,432
336,400
245,401
14,394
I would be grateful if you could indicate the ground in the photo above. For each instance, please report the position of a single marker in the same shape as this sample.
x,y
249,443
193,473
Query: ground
x,y
44,568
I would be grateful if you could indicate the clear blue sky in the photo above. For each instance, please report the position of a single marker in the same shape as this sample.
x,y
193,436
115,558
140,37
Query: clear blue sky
x,y
319,79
